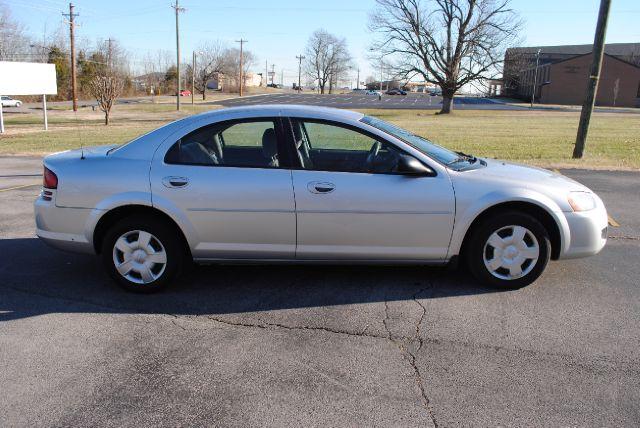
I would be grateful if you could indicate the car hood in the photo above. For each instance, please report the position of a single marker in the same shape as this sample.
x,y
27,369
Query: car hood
x,y
529,176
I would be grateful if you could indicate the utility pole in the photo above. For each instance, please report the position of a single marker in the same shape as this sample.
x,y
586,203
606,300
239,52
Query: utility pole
x,y
535,78
242,42
273,73
358,81
592,85
110,53
72,41
193,77
266,73
300,58
178,9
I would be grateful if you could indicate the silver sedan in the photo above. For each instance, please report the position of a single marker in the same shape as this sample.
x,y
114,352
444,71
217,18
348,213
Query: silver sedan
x,y
303,184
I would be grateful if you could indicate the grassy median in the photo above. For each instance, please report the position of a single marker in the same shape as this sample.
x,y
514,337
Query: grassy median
x,y
542,138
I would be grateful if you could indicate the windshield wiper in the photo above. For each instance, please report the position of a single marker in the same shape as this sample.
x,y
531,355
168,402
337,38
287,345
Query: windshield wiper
x,y
464,156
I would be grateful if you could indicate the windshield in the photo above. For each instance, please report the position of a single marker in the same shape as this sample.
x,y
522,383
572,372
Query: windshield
x,y
442,155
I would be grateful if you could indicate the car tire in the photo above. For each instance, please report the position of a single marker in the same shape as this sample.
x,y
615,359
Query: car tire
x,y
18,104
142,254
508,250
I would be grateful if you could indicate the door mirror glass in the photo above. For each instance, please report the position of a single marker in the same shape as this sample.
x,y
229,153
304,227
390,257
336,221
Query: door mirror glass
x,y
408,165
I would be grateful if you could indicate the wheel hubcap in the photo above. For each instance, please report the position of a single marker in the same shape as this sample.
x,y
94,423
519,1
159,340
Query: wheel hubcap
x,y
139,257
511,252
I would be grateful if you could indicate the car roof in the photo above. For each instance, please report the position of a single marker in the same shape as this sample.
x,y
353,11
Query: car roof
x,y
139,146
262,110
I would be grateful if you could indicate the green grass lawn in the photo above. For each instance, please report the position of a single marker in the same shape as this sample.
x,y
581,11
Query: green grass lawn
x,y
543,138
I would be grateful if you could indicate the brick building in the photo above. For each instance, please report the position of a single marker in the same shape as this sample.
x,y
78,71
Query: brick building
x,y
563,71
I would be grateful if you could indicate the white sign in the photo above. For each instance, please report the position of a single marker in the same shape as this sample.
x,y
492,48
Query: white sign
x,y
27,78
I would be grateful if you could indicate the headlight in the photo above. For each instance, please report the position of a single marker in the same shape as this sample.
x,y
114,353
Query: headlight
x,y
581,201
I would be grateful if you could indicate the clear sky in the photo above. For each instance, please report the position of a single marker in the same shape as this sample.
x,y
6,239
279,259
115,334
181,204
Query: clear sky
x,y
277,30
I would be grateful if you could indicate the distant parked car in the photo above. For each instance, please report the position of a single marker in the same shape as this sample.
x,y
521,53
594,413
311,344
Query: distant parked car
x,y
185,93
435,92
372,92
10,102
396,91
277,183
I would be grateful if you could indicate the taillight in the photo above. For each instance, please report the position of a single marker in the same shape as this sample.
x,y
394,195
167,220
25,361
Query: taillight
x,y
49,179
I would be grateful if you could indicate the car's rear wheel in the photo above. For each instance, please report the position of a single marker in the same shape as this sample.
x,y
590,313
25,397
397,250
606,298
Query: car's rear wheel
x,y
510,250
142,254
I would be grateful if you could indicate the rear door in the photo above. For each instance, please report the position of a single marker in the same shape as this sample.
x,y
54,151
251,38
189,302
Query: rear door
x,y
353,205
230,183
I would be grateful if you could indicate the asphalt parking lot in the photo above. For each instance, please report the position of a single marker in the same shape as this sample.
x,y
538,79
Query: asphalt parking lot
x,y
411,101
317,346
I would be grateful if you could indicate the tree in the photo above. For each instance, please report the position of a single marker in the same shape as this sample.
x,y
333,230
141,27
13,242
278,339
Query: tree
x,y
63,70
13,41
90,65
327,57
155,65
450,43
212,59
232,66
105,88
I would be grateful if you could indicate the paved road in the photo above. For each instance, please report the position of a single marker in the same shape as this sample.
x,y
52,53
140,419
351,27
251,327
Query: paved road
x,y
411,101
318,346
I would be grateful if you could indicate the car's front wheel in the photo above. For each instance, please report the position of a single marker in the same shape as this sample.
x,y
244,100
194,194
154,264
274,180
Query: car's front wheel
x,y
18,104
510,250
142,254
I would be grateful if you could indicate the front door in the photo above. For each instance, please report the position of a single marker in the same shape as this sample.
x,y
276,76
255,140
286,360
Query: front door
x,y
228,181
352,205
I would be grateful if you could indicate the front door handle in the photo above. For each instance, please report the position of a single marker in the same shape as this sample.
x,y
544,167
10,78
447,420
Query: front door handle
x,y
175,182
321,187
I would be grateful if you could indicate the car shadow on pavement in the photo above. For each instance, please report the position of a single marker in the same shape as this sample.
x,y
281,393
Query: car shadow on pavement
x,y
36,279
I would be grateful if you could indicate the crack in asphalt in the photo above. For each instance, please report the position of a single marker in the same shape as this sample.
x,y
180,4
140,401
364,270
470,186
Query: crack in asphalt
x,y
626,237
270,325
404,345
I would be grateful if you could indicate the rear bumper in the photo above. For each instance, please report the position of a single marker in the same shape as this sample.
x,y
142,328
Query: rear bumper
x,y
62,228
587,232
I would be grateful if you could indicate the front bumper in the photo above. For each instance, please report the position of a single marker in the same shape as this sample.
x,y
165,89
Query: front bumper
x,y
587,232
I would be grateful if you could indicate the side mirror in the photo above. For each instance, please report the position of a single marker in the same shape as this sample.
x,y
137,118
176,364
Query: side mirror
x,y
408,165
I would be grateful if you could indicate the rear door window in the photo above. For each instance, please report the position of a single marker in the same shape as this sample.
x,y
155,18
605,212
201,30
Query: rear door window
x,y
250,144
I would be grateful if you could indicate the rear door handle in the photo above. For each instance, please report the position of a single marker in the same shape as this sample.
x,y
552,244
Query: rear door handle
x,y
321,187
174,182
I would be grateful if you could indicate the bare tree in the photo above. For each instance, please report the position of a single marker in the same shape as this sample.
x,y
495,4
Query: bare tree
x,y
212,59
232,66
516,61
450,43
327,57
154,66
105,88
13,41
